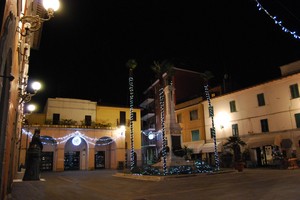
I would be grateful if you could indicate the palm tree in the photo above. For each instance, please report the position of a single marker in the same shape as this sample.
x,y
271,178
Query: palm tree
x,y
160,69
235,143
131,64
207,75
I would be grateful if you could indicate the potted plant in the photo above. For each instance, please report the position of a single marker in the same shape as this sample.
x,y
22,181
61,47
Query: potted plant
x,y
234,143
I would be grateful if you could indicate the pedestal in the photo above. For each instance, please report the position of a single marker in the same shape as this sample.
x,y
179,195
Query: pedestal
x,y
33,159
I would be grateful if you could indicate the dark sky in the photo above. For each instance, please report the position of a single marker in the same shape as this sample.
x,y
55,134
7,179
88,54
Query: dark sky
x,y
85,47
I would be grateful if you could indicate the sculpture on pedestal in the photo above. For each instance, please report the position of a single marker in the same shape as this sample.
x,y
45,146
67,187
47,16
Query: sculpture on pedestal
x,y
33,158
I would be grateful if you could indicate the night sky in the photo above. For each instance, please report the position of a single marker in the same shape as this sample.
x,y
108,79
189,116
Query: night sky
x,y
85,47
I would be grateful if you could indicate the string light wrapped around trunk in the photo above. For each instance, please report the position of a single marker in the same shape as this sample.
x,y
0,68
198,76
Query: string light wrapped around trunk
x,y
162,118
213,130
131,123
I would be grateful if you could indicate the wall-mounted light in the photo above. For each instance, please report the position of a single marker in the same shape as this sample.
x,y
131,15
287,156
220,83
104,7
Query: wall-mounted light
x,y
33,23
26,96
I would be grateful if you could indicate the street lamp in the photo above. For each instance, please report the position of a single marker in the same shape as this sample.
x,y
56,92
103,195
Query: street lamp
x,y
33,23
26,96
31,108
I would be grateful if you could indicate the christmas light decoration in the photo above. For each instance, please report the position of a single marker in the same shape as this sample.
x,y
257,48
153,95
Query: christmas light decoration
x,y
131,64
93,141
279,23
131,123
162,118
213,130
76,141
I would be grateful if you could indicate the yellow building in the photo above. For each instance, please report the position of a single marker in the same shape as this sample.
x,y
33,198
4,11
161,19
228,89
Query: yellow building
x,y
190,116
81,135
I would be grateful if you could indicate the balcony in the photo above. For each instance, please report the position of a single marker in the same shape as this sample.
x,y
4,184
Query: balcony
x,y
147,116
146,103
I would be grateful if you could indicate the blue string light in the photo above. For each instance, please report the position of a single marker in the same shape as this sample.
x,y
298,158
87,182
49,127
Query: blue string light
x,y
162,118
213,130
61,140
279,23
131,122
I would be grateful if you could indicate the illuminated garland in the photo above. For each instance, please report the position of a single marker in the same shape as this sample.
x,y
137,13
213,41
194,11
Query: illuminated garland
x,y
162,118
213,130
131,123
279,23
94,141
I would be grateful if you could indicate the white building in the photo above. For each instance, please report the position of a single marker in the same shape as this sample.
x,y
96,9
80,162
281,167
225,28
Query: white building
x,y
265,116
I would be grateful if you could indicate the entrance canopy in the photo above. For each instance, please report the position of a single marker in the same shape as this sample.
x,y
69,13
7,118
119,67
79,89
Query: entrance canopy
x,y
210,147
196,146
260,141
199,147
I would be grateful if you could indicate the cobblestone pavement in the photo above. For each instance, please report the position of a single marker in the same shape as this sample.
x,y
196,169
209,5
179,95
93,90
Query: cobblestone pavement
x,y
256,184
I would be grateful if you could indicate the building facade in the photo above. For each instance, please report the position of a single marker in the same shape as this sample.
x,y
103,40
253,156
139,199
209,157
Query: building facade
x,y
14,65
265,116
81,135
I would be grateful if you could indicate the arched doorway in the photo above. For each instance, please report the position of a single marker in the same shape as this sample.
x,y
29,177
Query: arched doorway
x,y
103,152
75,157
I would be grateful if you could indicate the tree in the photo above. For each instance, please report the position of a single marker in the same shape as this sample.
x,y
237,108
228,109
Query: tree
x,y
131,64
160,69
235,143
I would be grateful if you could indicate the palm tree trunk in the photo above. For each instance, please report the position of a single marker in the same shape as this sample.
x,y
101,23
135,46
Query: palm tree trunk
x,y
162,118
213,130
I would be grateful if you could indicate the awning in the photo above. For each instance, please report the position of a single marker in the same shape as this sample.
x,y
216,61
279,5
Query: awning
x,y
196,146
210,147
259,142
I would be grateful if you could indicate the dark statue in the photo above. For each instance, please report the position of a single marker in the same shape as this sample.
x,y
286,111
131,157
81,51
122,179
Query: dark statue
x,y
33,158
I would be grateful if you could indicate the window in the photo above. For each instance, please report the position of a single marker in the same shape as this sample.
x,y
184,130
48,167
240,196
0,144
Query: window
x,y
261,99
294,91
122,118
179,118
193,115
264,125
88,120
211,111
297,118
56,118
195,135
235,130
232,106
